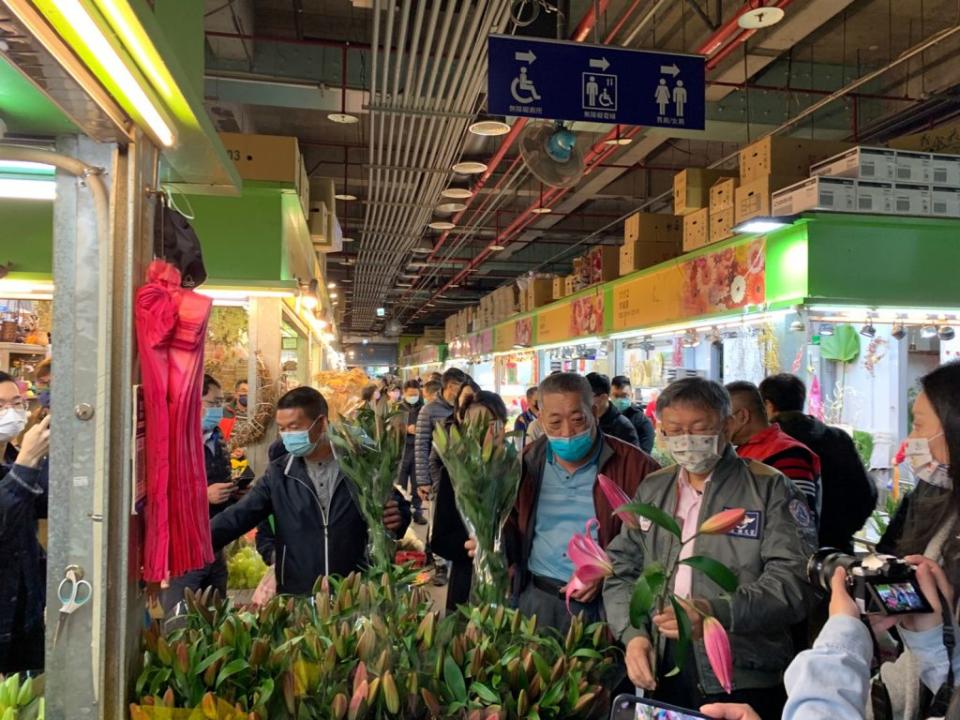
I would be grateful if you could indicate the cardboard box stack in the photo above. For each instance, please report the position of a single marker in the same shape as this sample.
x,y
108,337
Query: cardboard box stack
x,y
649,239
602,264
878,180
691,188
772,164
696,230
722,198
539,292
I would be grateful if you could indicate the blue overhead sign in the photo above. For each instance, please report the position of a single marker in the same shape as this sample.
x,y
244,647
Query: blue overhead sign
x,y
558,80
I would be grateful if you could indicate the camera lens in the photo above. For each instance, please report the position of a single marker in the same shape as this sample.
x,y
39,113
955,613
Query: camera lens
x,y
824,562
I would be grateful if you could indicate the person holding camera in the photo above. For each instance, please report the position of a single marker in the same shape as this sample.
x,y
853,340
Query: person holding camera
x,y
767,552
832,680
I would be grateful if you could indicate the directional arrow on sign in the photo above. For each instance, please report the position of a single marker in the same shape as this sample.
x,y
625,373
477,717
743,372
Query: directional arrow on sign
x,y
602,64
670,70
527,57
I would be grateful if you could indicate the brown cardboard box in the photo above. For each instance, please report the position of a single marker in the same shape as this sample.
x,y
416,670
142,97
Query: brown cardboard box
x,y
721,225
569,285
603,263
539,292
271,158
559,285
652,226
785,156
722,194
691,188
641,254
753,196
696,230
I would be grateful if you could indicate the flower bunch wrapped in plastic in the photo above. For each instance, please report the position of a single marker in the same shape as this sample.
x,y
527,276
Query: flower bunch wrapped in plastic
x,y
369,448
484,470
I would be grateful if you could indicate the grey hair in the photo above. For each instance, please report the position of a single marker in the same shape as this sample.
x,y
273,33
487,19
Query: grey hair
x,y
696,391
568,383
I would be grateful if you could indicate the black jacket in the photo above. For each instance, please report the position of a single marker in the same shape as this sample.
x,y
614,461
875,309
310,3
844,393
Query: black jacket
x,y
613,423
23,563
413,412
217,463
312,545
448,534
849,496
643,426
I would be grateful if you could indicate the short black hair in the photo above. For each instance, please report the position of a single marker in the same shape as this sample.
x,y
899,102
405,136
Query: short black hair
x,y
563,382
6,377
411,385
489,400
368,392
531,392
751,396
453,375
620,382
308,399
433,387
241,381
599,383
208,382
785,392
698,392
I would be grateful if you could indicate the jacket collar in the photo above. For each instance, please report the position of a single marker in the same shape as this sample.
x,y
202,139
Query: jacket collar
x,y
764,436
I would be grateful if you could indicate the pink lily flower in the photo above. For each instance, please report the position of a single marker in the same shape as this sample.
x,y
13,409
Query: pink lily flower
x,y
590,562
723,521
617,499
718,652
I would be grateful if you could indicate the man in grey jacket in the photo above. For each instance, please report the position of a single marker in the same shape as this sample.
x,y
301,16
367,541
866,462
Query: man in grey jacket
x,y
767,552
431,414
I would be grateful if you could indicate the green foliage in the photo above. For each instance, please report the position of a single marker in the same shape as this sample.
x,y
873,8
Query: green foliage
x,y
300,658
245,567
864,444
659,517
843,346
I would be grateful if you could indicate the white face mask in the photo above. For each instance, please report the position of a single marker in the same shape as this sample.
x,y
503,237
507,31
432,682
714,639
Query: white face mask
x,y
925,467
12,423
697,454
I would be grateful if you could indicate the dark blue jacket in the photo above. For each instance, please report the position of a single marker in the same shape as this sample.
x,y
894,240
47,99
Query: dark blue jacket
x,y
217,461
23,563
308,543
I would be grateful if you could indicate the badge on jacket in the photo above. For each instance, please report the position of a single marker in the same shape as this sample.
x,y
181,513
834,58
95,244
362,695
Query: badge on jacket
x,y
801,513
749,527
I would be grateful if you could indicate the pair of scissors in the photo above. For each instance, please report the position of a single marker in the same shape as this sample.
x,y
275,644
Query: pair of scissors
x,y
73,592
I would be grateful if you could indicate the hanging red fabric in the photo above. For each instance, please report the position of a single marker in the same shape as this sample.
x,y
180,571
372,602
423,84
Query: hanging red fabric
x,y
171,328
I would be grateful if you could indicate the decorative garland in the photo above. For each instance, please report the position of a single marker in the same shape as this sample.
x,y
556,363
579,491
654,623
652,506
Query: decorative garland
x,y
876,351
251,429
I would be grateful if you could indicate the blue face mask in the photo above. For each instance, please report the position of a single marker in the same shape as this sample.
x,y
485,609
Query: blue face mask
x,y
573,448
212,418
620,404
298,443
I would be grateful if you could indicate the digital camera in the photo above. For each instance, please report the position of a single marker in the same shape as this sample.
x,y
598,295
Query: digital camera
x,y
880,584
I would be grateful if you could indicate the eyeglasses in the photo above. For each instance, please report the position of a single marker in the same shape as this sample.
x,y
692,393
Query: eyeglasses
x,y
17,404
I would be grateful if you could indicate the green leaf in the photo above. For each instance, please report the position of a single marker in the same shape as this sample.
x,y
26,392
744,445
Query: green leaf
x,y
656,515
453,677
588,653
552,696
211,659
543,669
843,345
656,577
641,602
484,693
685,633
716,571
231,668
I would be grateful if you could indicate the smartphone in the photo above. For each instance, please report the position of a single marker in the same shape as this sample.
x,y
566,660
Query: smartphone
x,y
243,481
631,707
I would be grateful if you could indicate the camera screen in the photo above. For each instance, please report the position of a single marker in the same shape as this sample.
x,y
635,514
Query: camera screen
x,y
900,597
631,707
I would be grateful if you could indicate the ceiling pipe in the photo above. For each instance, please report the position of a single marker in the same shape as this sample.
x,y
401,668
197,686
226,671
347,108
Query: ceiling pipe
x,y
527,217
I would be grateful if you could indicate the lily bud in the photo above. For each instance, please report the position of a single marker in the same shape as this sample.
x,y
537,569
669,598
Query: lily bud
x,y
722,522
718,652
617,499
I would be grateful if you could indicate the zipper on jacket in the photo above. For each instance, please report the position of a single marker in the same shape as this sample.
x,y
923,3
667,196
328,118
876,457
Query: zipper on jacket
x,y
323,514
283,567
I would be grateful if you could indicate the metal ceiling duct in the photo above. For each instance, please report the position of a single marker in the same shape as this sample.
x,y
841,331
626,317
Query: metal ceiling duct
x,y
419,114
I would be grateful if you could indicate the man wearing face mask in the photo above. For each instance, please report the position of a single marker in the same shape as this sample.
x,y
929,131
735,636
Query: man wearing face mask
x,y
23,501
408,466
611,421
318,525
767,552
221,493
559,494
621,397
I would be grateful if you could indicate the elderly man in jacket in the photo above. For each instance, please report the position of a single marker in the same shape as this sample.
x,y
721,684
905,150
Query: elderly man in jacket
x,y
559,494
319,529
431,414
767,552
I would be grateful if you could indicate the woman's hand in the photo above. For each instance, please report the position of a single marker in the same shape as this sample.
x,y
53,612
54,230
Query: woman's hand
x,y
841,602
471,547
933,583
729,711
35,445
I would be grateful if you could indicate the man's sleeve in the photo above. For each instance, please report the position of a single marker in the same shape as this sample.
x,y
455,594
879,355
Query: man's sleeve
x,y
404,507
20,487
626,553
422,445
255,507
266,542
797,464
627,432
645,432
781,596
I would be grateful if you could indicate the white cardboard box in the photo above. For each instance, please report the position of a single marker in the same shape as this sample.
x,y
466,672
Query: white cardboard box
x,y
911,199
913,167
816,193
867,163
945,201
874,197
945,170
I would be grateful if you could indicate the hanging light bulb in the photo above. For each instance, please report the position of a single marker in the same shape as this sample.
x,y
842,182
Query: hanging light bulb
x,y
928,331
826,329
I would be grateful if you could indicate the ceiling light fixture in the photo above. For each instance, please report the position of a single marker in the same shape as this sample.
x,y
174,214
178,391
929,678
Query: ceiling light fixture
x,y
451,207
946,332
457,193
541,210
343,118
98,45
868,330
899,331
441,225
928,331
346,197
826,329
469,167
762,17
331,284
759,225
347,240
497,248
381,312
618,140
489,128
